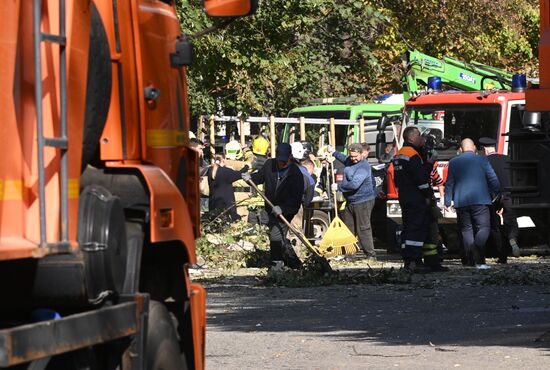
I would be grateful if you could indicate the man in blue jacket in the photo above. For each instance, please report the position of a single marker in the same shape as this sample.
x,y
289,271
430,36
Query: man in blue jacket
x,y
359,189
471,185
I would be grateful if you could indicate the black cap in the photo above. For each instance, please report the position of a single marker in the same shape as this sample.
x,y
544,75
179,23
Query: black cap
x,y
283,152
487,141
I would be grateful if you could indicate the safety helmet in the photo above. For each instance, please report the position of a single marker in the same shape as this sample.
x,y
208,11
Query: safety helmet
x,y
322,153
260,145
308,148
233,150
298,151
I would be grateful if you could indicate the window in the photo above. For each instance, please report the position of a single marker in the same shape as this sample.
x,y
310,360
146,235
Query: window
x,y
450,124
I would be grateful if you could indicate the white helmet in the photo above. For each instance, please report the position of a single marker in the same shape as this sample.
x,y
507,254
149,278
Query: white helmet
x,y
233,150
298,150
322,153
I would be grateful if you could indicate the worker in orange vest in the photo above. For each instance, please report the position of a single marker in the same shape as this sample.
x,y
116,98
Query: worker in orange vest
x,y
415,198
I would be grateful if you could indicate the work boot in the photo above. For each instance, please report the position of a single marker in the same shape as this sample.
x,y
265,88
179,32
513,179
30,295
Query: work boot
x,y
291,259
416,268
439,268
515,248
276,266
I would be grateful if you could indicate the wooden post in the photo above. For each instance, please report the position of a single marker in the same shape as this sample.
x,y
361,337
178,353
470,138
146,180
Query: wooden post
x,y
200,129
241,129
272,134
362,129
322,132
332,134
212,139
302,129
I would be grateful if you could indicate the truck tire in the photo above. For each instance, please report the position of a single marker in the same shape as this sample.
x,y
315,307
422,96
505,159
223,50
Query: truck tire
x,y
134,243
102,237
163,350
319,224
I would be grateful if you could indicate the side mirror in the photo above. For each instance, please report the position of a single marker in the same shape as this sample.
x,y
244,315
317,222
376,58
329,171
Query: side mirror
x,y
230,8
380,145
532,120
183,56
382,123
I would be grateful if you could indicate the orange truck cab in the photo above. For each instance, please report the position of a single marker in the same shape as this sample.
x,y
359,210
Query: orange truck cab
x,y
99,197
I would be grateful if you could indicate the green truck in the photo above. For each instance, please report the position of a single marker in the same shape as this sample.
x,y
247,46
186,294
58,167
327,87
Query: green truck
x,y
346,110
418,68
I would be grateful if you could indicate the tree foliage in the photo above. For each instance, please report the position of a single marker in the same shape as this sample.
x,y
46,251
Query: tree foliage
x,y
292,51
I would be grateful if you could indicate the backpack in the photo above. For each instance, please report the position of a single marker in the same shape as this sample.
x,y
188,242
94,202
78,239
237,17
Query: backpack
x,y
309,187
204,187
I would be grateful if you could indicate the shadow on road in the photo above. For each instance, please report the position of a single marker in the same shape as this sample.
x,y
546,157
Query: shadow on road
x,y
514,316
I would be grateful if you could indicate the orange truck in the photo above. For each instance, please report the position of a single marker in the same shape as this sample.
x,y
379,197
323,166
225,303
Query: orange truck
x,y
99,197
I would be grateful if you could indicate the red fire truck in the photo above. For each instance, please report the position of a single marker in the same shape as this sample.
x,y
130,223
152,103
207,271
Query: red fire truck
x,y
451,116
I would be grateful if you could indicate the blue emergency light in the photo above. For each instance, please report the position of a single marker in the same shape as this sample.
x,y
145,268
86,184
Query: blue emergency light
x,y
519,82
434,83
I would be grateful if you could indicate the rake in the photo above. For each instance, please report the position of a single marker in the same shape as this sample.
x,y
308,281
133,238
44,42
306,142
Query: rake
x,y
338,239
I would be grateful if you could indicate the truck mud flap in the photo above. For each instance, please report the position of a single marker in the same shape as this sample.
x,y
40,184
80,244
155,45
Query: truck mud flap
x,y
198,320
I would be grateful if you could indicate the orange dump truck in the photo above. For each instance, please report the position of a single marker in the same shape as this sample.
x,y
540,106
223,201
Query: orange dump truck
x,y
99,199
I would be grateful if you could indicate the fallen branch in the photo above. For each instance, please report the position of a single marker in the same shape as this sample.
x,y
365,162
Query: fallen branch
x,y
379,355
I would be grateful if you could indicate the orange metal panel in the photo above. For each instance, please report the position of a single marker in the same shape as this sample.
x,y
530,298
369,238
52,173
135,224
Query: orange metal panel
x,y
538,100
165,195
19,222
121,136
198,323
168,116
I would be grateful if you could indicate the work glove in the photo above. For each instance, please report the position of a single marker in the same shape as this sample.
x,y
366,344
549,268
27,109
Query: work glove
x,y
334,187
330,149
450,209
246,177
277,211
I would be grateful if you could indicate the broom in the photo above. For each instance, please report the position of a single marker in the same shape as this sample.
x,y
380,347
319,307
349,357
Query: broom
x,y
338,239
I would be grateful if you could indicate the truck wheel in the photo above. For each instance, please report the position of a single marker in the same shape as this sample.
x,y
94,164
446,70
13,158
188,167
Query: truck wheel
x,y
319,224
163,350
134,242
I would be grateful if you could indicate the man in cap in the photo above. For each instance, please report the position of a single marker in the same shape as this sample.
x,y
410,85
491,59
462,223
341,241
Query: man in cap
x,y
502,207
284,187
359,189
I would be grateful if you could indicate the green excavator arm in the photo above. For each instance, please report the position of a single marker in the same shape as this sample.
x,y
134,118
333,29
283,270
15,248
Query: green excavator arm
x,y
453,73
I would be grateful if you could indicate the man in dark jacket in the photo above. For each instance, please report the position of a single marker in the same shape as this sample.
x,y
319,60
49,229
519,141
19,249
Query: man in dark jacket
x,y
412,180
284,187
359,189
472,184
511,230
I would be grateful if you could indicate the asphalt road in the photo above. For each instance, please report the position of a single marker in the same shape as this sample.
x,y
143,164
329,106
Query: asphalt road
x,y
437,322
